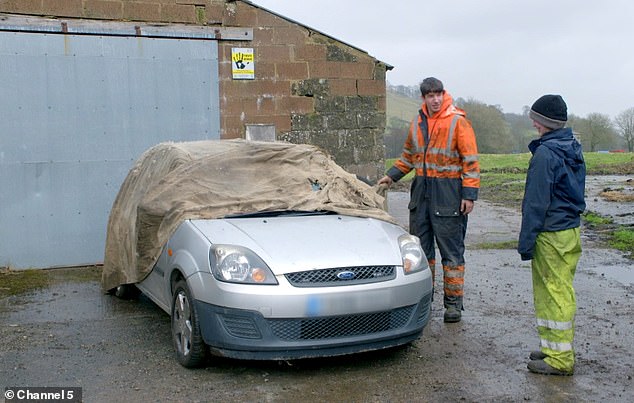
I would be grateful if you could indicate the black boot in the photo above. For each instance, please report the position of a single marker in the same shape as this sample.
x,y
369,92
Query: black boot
x,y
541,367
453,312
452,315
537,355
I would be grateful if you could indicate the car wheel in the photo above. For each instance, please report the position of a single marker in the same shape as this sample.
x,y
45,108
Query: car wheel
x,y
126,291
191,350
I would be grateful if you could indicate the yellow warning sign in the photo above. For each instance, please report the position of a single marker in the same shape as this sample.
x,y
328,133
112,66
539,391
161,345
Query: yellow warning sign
x,y
243,63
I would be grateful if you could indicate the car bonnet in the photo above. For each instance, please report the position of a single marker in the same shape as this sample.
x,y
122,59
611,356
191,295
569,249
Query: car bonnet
x,y
299,243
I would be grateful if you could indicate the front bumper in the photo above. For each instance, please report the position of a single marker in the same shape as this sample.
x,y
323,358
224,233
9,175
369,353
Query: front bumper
x,y
247,334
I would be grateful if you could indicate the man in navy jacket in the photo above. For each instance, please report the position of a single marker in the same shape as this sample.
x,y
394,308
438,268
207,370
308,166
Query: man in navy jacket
x,y
549,236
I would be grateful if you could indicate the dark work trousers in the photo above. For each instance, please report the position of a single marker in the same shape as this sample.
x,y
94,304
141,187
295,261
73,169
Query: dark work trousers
x,y
448,232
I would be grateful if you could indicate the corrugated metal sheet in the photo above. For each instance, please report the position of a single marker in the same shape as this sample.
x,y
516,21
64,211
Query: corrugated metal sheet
x,y
75,113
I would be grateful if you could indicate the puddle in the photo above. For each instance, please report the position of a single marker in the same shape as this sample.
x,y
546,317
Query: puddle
x,y
70,302
623,275
621,212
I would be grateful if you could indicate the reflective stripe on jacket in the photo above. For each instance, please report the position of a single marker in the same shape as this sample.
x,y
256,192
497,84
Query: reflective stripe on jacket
x,y
441,149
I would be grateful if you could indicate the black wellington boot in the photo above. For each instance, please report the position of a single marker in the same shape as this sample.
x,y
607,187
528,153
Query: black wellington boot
x,y
453,312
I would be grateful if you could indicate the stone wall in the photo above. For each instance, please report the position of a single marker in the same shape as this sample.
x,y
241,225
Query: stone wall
x,y
313,88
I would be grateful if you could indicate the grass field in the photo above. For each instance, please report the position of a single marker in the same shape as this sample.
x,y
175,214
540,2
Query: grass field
x,y
502,178
503,175
596,163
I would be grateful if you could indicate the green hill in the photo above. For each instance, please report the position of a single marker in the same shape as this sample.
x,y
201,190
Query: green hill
x,y
401,107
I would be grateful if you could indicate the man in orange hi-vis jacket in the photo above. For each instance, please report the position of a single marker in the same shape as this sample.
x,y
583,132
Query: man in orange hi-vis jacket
x,y
441,148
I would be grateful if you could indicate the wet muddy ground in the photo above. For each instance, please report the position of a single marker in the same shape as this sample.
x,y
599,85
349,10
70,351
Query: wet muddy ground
x,y
65,332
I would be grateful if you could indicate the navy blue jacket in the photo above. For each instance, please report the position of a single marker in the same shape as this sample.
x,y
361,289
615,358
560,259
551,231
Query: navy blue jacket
x,y
554,192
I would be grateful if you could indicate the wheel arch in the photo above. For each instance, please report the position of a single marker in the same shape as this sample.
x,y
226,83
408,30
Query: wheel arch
x,y
176,276
183,266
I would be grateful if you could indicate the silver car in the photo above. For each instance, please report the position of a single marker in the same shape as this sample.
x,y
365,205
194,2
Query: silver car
x,y
329,273
290,285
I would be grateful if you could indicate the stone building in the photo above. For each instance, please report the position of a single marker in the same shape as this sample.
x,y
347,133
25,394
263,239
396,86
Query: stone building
x,y
310,86
93,83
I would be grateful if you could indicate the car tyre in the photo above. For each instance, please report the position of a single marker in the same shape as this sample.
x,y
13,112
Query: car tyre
x,y
126,291
191,350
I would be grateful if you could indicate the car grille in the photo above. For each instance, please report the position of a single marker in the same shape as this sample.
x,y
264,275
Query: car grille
x,y
341,326
341,276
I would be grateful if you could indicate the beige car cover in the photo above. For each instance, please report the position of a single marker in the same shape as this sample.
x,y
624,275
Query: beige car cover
x,y
173,182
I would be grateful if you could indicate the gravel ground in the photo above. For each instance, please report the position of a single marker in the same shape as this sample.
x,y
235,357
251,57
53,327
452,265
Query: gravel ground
x,y
69,334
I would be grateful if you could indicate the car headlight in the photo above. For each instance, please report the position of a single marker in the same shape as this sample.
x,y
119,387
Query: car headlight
x,y
236,264
412,254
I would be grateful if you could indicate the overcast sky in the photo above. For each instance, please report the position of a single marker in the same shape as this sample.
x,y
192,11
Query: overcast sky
x,y
500,52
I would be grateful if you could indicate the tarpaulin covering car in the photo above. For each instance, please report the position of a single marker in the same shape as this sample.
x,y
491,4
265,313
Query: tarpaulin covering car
x,y
264,250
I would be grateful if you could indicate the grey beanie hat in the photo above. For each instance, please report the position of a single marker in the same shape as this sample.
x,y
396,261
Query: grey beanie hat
x,y
550,111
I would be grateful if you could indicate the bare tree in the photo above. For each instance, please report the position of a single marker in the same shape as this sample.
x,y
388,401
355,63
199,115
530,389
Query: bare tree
x,y
595,131
624,123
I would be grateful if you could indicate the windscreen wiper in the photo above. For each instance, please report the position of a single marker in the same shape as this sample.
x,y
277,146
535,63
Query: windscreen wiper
x,y
279,213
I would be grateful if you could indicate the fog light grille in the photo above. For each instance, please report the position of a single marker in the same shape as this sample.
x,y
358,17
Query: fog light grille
x,y
341,326
239,326
342,276
425,310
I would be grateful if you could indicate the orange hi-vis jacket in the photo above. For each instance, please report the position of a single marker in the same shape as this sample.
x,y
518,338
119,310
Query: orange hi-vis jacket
x,y
442,150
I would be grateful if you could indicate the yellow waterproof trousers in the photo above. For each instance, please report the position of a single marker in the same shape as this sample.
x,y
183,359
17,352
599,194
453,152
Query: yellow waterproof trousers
x,y
554,265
